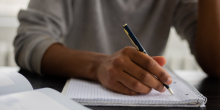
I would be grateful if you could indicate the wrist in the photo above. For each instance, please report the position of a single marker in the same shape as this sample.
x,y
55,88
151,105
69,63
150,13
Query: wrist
x,y
96,66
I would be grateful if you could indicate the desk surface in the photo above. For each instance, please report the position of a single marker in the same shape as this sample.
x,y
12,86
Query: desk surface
x,y
208,86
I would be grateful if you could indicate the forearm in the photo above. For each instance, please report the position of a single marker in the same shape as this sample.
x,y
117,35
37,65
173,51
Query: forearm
x,y
61,61
207,41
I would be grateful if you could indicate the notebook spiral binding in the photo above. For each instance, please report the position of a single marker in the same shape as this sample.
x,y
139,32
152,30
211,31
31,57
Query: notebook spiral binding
x,y
191,87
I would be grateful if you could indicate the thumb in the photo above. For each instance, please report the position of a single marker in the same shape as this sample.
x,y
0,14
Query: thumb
x,y
160,60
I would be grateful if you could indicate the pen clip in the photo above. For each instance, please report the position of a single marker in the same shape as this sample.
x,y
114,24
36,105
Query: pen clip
x,y
131,39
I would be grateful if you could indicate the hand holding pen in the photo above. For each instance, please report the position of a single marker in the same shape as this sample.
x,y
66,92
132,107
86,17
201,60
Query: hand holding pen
x,y
130,72
139,47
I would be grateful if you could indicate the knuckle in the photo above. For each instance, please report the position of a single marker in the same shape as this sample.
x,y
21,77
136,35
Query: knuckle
x,y
162,75
149,63
143,76
136,85
159,87
117,61
112,72
148,91
126,50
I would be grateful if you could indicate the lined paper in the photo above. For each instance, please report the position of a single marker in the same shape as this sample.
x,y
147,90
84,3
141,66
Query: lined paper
x,y
92,93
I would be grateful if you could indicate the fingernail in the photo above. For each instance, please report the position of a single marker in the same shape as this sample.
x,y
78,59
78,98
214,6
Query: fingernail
x,y
164,89
169,81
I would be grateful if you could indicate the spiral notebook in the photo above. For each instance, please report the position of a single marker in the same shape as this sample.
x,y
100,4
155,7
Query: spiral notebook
x,y
94,94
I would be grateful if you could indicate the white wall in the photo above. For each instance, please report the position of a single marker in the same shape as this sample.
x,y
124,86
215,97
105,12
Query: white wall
x,y
7,35
178,53
8,26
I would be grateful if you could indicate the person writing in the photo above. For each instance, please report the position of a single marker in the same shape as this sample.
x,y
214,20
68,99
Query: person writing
x,y
85,39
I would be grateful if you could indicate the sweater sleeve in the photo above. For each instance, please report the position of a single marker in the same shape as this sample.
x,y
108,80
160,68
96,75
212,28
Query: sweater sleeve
x,y
42,24
185,20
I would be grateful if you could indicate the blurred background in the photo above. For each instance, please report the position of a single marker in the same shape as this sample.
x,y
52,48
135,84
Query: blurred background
x,y
177,52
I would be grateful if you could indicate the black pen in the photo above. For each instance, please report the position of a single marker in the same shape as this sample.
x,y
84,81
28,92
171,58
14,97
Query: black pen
x,y
138,45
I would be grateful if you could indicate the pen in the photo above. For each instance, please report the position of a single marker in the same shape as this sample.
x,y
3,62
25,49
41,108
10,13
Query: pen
x,y
138,45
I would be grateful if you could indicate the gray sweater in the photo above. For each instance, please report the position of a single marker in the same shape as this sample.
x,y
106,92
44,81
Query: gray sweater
x,y
96,25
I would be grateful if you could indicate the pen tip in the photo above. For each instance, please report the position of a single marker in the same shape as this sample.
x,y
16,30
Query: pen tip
x,y
171,91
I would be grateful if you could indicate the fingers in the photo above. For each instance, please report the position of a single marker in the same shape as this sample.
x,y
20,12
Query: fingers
x,y
160,60
144,76
149,64
133,84
129,82
130,72
120,88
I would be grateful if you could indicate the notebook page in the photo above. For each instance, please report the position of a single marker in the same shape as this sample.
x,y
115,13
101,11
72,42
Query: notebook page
x,y
92,93
183,88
